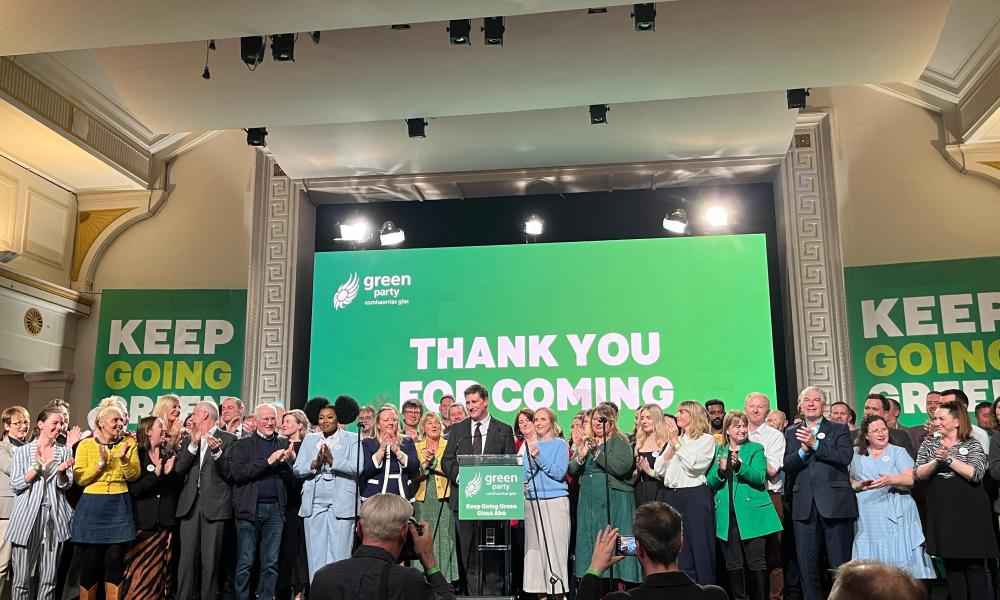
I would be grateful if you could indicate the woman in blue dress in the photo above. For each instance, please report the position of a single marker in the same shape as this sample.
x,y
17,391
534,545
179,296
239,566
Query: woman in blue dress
x,y
888,526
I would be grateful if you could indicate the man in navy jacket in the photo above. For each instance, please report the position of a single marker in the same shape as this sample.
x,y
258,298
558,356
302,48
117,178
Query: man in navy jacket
x,y
817,455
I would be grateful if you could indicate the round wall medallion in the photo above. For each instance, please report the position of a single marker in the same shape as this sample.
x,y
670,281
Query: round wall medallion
x,y
33,321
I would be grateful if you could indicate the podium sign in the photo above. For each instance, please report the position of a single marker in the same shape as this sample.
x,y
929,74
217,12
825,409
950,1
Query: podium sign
x,y
491,492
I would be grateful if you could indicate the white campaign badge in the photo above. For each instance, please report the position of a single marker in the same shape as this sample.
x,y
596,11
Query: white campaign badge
x,y
821,436
150,468
885,458
656,454
963,450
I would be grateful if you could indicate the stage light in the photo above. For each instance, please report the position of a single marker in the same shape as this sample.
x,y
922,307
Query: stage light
x,y
206,74
211,44
717,216
599,114
797,98
283,47
256,135
676,222
459,31
416,128
390,235
314,36
252,50
534,225
355,231
645,16
493,29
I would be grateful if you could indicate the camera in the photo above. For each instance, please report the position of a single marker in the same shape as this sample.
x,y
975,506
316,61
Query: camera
x,y
409,553
626,546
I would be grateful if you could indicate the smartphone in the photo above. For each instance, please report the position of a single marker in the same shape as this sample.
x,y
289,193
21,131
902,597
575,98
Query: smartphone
x,y
626,546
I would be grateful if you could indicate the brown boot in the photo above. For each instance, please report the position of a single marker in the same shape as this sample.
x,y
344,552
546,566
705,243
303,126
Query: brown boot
x,y
110,591
86,594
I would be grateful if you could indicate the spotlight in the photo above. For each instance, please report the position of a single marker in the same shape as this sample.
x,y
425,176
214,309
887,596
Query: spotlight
x,y
459,30
283,47
534,225
493,31
717,216
599,114
645,16
8,255
211,44
256,135
415,127
314,36
797,98
676,222
252,50
390,235
206,74
355,231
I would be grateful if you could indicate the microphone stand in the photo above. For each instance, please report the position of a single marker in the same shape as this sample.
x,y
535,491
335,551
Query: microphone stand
x,y
357,485
553,578
607,492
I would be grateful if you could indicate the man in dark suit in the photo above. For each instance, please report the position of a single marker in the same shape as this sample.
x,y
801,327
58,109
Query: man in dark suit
x,y
877,404
817,454
658,540
205,503
479,434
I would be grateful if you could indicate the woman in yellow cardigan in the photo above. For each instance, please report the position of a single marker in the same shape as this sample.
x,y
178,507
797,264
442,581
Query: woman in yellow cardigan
x,y
431,501
103,525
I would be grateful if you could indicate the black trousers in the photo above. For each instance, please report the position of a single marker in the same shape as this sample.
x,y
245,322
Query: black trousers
x,y
736,551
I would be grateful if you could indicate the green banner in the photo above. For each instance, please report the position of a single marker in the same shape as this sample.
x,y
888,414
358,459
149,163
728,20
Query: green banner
x,y
155,342
915,327
565,326
491,492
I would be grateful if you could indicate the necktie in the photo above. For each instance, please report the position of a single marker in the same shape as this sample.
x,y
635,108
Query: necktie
x,y
477,440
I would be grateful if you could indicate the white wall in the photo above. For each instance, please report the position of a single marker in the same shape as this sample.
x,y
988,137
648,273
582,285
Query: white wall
x,y
898,200
199,239
13,391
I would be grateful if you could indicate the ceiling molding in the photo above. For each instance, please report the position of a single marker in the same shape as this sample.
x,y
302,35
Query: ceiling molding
x,y
981,160
953,86
912,95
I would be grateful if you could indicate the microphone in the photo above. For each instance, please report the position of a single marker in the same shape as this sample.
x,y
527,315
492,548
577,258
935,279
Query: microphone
x,y
602,420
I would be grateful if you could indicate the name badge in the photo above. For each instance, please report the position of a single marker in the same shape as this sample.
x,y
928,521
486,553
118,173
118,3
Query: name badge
x,y
963,450
821,436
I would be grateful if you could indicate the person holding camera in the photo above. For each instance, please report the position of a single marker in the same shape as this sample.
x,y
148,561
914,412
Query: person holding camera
x,y
154,499
374,572
658,541
103,524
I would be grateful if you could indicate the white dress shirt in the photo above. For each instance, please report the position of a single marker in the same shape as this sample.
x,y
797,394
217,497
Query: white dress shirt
x,y
690,462
774,450
484,426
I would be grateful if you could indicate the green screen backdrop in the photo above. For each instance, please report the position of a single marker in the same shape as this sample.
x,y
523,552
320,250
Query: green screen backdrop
x,y
916,327
559,325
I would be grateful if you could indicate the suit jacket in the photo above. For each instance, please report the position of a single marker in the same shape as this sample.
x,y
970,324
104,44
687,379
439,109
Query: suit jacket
x,y
28,496
755,512
154,499
206,485
499,440
821,478
675,585
341,475
897,437
360,578
372,476
6,494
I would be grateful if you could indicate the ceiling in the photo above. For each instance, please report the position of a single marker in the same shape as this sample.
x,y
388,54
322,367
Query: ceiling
x,y
708,83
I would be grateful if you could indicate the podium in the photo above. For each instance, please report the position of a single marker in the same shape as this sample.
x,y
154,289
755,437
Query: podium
x,y
491,493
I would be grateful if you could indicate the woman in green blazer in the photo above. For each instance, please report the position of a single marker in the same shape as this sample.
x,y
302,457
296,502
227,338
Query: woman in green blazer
x,y
744,514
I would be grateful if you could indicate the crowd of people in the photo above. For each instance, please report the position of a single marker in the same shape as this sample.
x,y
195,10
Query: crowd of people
x,y
220,502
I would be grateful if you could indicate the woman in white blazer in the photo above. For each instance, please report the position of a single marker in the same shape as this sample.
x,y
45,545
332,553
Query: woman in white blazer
x,y
40,473
16,422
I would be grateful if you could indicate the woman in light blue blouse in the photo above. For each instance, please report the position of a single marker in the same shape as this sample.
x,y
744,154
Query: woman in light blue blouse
x,y
546,517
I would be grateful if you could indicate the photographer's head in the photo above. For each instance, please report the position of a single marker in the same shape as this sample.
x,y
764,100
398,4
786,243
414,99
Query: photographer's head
x,y
384,522
659,536
876,581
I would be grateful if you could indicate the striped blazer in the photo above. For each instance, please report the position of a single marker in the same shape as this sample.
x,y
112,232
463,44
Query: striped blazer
x,y
28,496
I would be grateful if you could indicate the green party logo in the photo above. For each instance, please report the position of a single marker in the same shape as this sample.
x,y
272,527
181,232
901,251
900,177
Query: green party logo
x,y
346,292
383,289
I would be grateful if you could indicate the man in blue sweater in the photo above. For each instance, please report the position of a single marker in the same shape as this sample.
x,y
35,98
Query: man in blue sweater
x,y
259,465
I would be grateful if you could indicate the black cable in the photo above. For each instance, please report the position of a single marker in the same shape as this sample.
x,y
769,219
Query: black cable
x,y
607,492
357,485
553,578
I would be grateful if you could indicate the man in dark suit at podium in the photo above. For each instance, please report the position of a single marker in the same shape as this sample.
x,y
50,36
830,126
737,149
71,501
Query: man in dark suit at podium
x,y
817,454
479,434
